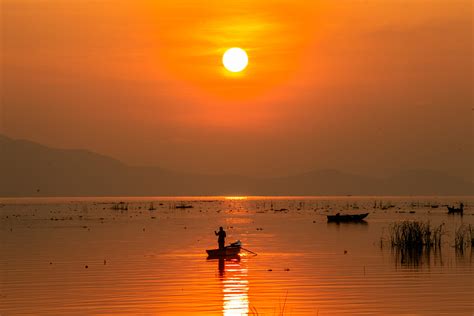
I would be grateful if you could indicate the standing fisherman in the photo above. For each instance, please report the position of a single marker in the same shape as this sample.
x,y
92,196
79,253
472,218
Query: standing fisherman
x,y
221,239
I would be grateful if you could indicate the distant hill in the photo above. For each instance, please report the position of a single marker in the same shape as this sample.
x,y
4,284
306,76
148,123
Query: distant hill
x,y
31,169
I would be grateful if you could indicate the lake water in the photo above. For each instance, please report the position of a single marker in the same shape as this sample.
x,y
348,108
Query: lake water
x,y
80,256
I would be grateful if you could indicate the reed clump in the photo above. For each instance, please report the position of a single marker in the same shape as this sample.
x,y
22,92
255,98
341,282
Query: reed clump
x,y
415,235
463,236
471,231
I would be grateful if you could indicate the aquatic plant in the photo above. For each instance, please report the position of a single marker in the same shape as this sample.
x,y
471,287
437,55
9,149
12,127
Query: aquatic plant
x,y
281,310
461,237
412,241
414,234
471,232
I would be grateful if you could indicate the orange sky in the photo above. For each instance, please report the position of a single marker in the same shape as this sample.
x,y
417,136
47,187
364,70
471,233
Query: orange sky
x,y
363,86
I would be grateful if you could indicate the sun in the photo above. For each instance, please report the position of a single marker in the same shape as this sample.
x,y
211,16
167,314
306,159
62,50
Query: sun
x,y
235,59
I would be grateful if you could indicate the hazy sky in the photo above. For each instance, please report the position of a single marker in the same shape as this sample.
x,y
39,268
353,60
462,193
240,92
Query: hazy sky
x,y
363,86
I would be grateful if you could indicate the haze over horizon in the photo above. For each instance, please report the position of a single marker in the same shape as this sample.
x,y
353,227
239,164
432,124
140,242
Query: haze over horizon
x,y
329,85
26,146
30,169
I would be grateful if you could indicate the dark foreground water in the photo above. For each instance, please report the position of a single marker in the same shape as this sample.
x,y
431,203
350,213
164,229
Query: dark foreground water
x,y
82,256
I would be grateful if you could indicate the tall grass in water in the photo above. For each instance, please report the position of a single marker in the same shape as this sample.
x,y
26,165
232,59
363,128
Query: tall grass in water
x,y
281,312
471,232
413,241
412,235
463,236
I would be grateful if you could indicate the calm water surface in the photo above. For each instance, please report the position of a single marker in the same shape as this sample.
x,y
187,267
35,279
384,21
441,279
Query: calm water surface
x,y
80,256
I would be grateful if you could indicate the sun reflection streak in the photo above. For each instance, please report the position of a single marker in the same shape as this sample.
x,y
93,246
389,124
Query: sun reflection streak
x,y
234,198
235,288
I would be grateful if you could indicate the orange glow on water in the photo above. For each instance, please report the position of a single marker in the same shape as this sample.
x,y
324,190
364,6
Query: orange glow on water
x,y
235,287
236,198
301,267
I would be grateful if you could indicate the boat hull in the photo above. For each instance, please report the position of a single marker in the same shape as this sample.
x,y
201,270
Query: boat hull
x,y
346,218
228,251
453,210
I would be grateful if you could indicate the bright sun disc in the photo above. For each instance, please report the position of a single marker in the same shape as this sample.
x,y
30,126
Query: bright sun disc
x,y
235,59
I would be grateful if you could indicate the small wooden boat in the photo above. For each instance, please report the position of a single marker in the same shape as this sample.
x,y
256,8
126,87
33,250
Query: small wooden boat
x,y
229,251
454,210
338,218
183,206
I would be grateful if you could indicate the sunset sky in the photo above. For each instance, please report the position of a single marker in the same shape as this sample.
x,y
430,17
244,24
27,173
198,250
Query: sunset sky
x,y
365,86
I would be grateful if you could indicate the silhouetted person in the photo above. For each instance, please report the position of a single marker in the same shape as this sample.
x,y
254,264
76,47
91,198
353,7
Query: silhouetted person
x,y
221,239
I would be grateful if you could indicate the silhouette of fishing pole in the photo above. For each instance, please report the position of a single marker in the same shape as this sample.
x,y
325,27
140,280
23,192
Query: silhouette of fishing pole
x,y
254,253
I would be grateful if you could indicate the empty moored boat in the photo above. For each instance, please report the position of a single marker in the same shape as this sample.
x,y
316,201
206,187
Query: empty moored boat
x,y
346,218
183,206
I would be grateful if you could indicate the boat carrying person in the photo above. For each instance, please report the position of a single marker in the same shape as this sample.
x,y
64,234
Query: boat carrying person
x,y
221,239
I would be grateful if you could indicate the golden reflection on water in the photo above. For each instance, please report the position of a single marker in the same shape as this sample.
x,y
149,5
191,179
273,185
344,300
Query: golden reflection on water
x,y
235,287
305,265
236,198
